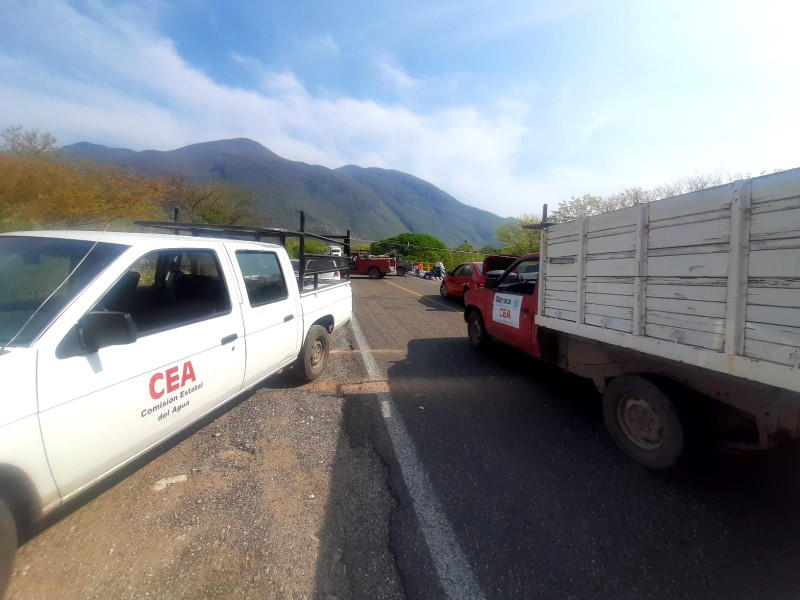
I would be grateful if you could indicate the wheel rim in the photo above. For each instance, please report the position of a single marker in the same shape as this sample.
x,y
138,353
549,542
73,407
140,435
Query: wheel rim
x,y
641,422
316,354
443,290
475,332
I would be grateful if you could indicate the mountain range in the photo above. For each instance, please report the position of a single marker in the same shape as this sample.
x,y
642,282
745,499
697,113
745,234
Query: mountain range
x,y
373,203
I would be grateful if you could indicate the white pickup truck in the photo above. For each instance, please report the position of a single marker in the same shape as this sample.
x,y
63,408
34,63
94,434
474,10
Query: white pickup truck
x,y
112,342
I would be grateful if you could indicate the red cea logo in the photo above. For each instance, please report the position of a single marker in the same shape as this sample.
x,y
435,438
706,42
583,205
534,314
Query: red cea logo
x,y
171,380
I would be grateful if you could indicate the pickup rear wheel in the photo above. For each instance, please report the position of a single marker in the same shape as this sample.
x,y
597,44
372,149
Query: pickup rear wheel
x,y
314,355
401,271
643,421
8,546
373,272
476,331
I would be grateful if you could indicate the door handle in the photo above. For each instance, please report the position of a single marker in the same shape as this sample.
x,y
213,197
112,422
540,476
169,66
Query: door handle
x,y
523,309
288,318
230,338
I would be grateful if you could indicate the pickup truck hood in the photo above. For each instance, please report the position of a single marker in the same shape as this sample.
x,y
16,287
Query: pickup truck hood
x,y
18,374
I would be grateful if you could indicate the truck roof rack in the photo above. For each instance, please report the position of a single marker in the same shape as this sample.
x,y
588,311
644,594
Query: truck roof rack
x,y
246,232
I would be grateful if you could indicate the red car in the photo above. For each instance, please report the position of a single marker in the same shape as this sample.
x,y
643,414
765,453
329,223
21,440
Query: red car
x,y
471,275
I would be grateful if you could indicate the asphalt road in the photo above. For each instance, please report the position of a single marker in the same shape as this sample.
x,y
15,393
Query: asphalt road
x,y
420,468
541,502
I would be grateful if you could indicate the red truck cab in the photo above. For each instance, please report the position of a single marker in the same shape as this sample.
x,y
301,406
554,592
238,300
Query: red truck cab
x,y
505,308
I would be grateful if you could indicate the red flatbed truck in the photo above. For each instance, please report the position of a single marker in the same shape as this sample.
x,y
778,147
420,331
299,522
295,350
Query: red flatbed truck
x,y
361,263
684,312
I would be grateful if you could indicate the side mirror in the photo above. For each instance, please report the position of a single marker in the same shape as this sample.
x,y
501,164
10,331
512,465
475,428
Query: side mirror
x,y
96,330
491,283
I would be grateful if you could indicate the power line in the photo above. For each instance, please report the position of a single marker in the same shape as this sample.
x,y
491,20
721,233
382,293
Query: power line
x,y
408,246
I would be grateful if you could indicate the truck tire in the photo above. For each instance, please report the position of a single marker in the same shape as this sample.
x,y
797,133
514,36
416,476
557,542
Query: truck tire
x,y
373,272
443,290
314,355
8,546
401,271
643,422
476,331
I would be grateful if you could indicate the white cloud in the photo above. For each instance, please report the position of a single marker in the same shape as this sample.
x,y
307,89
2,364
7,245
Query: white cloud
x,y
111,78
328,43
134,90
395,76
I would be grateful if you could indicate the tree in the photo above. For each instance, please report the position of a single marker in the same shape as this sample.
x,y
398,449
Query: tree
x,y
588,204
219,204
37,192
419,247
577,208
464,252
516,241
26,142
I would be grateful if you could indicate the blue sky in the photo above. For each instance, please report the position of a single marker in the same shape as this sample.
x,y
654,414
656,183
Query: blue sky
x,y
505,105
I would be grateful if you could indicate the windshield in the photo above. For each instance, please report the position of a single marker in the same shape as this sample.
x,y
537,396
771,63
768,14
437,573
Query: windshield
x,y
31,269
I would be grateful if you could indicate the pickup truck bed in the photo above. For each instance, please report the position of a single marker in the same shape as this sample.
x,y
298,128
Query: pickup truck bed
x,y
710,278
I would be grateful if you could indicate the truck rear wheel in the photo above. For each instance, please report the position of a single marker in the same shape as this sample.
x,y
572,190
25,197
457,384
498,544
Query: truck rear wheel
x,y
401,271
314,355
8,546
373,272
476,331
643,422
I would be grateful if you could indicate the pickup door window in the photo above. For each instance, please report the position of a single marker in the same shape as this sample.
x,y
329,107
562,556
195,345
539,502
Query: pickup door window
x,y
272,318
514,307
99,410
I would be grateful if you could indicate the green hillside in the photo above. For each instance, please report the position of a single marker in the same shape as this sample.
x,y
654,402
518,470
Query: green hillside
x,y
372,203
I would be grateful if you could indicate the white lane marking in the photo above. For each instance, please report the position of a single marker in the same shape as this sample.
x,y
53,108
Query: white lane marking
x,y
455,575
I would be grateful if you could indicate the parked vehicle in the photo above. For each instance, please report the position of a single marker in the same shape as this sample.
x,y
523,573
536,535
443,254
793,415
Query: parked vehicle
x,y
471,275
335,250
362,263
110,343
404,266
684,312
317,264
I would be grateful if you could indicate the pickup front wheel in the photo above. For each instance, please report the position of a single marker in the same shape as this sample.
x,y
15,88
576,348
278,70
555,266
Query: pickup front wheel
x,y
8,546
314,355
643,421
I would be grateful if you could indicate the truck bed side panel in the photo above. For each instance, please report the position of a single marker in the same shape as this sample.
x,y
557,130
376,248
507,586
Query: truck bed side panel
x,y
710,278
335,301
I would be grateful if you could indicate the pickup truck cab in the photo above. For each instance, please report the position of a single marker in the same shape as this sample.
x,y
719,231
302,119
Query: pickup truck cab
x,y
110,343
505,309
